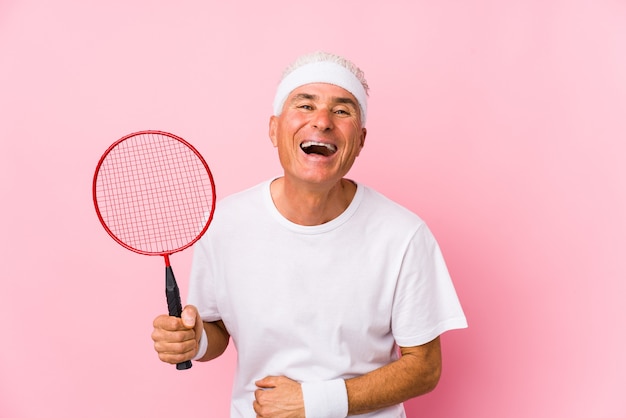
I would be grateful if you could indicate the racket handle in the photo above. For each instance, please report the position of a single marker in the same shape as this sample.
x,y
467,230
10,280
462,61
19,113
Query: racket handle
x,y
174,305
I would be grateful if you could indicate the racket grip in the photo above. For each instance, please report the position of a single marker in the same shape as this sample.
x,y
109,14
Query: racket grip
x,y
174,305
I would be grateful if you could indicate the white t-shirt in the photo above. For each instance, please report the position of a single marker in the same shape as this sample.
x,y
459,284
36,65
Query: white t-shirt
x,y
316,303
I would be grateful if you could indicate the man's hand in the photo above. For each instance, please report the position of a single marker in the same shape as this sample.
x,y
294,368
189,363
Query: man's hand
x,y
278,397
176,339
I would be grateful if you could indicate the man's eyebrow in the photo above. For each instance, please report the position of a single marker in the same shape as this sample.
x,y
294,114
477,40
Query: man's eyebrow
x,y
339,100
303,96
345,100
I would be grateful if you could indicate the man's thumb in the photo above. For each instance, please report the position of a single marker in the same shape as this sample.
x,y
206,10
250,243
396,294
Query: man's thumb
x,y
189,316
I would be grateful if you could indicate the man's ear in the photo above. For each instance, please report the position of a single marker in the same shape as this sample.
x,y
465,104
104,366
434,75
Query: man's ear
x,y
362,144
273,128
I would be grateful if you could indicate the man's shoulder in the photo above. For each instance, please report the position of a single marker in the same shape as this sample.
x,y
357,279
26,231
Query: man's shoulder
x,y
381,205
243,197
238,208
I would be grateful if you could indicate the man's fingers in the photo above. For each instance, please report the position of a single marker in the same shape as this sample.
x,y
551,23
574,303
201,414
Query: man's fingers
x,y
176,339
173,336
278,396
168,323
174,357
175,347
267,382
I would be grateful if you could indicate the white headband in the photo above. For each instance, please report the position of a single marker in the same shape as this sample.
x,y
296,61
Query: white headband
x,y
321,72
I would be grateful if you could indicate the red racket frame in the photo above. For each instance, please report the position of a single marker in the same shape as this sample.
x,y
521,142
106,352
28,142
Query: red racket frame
x,y
165,254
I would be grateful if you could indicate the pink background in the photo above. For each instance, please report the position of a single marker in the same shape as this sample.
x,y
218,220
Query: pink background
x,y
502,123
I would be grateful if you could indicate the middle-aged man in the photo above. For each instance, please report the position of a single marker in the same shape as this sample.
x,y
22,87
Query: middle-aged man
x,y
335,297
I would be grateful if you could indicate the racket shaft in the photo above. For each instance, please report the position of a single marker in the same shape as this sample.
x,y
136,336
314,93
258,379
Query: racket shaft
x,y
174,305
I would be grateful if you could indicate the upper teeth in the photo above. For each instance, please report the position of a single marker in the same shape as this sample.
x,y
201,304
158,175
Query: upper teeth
x,y
307,144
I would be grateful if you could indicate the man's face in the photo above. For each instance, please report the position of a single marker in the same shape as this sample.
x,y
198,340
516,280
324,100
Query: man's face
x,y
318,134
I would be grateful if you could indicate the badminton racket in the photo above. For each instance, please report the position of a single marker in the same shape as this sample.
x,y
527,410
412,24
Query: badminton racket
x,y
154,194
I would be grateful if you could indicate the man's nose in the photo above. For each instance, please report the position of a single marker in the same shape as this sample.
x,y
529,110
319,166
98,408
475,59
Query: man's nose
x,y
322,119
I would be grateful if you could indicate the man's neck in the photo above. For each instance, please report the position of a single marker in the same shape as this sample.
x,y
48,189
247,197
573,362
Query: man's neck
x,y
311,206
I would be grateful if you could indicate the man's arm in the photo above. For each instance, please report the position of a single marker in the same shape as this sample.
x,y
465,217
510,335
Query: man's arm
x,y
177,339
415,373
218,338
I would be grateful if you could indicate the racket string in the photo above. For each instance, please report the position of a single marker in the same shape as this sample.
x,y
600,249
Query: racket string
x,y
154,193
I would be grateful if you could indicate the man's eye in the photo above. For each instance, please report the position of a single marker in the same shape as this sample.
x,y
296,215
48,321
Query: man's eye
x,y
342,112
305,107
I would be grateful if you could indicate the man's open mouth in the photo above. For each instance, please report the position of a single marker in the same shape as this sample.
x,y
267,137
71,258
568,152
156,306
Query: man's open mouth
x,y
320,148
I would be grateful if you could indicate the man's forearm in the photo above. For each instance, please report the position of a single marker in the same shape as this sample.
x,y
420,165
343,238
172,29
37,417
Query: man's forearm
x,y
415,373
217,337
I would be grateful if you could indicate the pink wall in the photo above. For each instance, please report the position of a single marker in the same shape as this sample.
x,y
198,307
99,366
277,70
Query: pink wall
x,y
503,124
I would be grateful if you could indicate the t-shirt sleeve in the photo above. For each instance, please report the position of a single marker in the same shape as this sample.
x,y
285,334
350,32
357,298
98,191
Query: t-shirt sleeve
x,y
426,303
202,290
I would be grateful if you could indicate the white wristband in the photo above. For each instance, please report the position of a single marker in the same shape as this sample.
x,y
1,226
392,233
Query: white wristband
x,y
203,345
325,399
